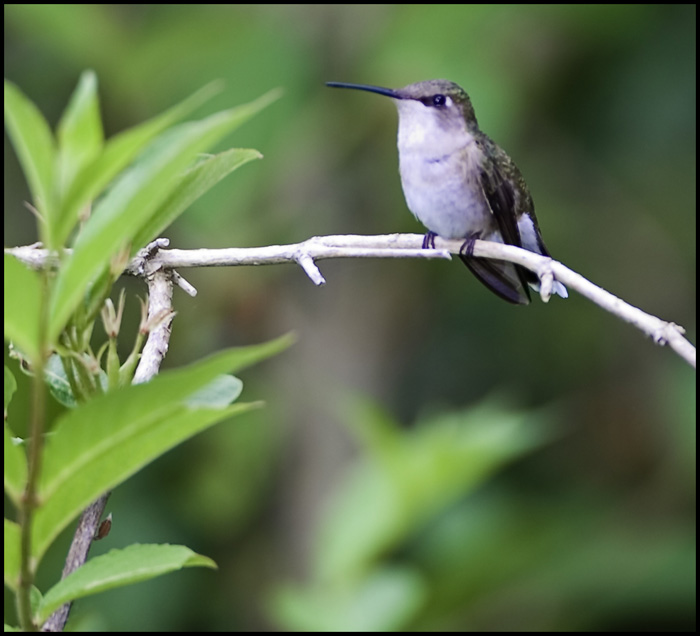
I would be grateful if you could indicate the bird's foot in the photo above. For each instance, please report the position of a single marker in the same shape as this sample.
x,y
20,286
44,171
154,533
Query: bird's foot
x,y
429,241
467,248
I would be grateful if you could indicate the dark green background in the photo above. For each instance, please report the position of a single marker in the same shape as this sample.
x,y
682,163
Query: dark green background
x,y
597,106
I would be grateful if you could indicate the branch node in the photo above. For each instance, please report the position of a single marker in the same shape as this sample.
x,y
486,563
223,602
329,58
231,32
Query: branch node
x,y
666,332
142,264
306,262
546,276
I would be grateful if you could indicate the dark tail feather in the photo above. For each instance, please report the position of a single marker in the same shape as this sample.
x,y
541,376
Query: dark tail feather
x,y
503,279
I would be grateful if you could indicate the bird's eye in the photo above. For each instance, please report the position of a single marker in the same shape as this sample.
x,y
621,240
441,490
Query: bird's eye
x,y
439,100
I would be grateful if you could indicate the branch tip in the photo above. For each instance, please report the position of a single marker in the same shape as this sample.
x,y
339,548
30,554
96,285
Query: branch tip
x,y
306,262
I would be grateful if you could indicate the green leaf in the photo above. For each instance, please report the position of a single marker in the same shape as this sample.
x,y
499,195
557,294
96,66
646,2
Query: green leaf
x,y
22,306
80,135
35,599
118,152
220,392
195,182
133,200
118,568
57,381
409,476
12,560
103,442
15,467
34,144
10,388
384,601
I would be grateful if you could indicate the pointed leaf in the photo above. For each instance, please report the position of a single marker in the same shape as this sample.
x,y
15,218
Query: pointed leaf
x,y
100,444
118,152
80,135
194,183
34,145
118,568
132,202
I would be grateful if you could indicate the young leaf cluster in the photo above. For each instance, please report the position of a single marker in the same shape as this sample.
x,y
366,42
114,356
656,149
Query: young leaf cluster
x,y
105,199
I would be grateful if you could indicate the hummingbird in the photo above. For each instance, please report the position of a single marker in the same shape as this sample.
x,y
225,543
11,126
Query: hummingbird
x,y
461,185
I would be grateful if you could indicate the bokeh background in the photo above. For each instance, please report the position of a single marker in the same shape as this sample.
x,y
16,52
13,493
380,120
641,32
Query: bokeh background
x,y
579,513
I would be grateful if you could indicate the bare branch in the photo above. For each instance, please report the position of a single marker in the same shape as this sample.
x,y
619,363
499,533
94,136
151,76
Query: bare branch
x,y
77,555
158,265
318,248
158,324
160,314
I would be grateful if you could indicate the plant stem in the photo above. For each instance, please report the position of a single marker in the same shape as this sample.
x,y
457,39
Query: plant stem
x,y
36,443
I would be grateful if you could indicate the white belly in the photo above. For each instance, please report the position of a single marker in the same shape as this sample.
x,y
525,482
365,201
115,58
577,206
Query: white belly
x,y
441,195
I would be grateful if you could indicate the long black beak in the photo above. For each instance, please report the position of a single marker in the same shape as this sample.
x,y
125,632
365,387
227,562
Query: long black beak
x,y
366,87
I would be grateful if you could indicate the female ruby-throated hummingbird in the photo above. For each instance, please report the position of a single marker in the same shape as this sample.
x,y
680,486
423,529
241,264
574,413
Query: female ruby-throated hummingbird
x,y
461,185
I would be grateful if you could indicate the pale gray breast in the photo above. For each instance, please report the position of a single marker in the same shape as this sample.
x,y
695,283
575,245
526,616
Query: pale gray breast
x,y
444,191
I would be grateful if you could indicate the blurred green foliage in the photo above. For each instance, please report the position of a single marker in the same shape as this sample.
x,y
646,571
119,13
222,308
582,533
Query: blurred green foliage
x,y
405,480
596,104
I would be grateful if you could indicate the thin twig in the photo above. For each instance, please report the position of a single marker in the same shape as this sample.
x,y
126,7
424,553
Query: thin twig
x,y
160,319
317,248
157,266
158,325
77,555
